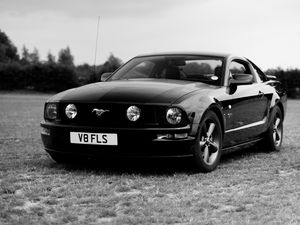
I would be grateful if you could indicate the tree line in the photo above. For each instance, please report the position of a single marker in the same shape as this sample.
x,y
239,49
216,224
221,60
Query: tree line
x,y
28,71
290,78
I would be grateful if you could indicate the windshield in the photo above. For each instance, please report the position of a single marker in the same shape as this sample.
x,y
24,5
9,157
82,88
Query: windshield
x,y
205,69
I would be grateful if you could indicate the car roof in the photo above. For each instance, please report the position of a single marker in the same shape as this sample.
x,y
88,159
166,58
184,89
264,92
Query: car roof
x,y
224,55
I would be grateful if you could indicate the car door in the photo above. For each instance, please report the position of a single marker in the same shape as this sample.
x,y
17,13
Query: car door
x,y
248,106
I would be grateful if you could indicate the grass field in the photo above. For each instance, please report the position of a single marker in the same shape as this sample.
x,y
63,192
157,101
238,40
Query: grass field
x,y
249,186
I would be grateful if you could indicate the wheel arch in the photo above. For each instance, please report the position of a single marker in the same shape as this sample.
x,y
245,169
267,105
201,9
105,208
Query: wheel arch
x,y
206,104
280,105
216,109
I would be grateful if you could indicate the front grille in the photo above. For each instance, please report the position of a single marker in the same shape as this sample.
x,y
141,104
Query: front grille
x,y
115,117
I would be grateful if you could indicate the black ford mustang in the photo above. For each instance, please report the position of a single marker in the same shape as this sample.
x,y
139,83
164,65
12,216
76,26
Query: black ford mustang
x,y
179,104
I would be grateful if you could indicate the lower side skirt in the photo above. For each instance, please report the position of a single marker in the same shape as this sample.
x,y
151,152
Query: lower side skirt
x,y
242,145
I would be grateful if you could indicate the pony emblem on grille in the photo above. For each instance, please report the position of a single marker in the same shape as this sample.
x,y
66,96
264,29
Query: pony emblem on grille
x,y
99,112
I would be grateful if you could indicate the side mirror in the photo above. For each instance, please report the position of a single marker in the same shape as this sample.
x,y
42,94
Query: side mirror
x,y
104,76
241,79
271,77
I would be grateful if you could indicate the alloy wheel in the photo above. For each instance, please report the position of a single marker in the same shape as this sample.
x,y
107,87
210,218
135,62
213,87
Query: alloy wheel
x,y
209,142
277,131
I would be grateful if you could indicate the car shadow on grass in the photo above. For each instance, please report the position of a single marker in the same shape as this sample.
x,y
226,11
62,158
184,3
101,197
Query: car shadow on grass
x,y
143,166
149,166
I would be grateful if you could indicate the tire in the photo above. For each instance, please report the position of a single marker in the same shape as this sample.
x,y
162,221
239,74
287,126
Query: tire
x,y
273,137
208,146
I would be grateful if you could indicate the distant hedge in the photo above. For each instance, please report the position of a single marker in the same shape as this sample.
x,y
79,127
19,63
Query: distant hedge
x,y
290,79
39,77
56,77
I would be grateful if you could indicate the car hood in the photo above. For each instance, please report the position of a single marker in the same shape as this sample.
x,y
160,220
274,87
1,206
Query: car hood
x,y
133,91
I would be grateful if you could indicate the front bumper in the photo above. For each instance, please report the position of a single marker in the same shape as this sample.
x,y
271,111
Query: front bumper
x,y
133,142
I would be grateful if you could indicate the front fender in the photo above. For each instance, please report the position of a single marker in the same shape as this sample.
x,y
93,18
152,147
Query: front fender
x,y
196,106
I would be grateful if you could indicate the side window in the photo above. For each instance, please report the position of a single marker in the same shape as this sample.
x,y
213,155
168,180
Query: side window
x,y
238,67
261,74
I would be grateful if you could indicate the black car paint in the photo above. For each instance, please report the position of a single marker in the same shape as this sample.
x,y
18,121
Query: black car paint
x,y
150,91
236,106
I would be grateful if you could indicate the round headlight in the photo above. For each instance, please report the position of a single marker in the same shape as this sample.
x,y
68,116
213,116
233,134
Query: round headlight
x,y
51,111
174,116
71,111
133,113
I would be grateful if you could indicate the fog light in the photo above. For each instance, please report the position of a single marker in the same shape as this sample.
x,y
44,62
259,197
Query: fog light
x,y
172,136
45,131
165,136
180,136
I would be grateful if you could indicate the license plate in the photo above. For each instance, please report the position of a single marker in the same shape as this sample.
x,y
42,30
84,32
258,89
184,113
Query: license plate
x,y
93,138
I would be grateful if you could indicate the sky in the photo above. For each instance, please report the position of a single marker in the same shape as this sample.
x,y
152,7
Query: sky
x,y
265,31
